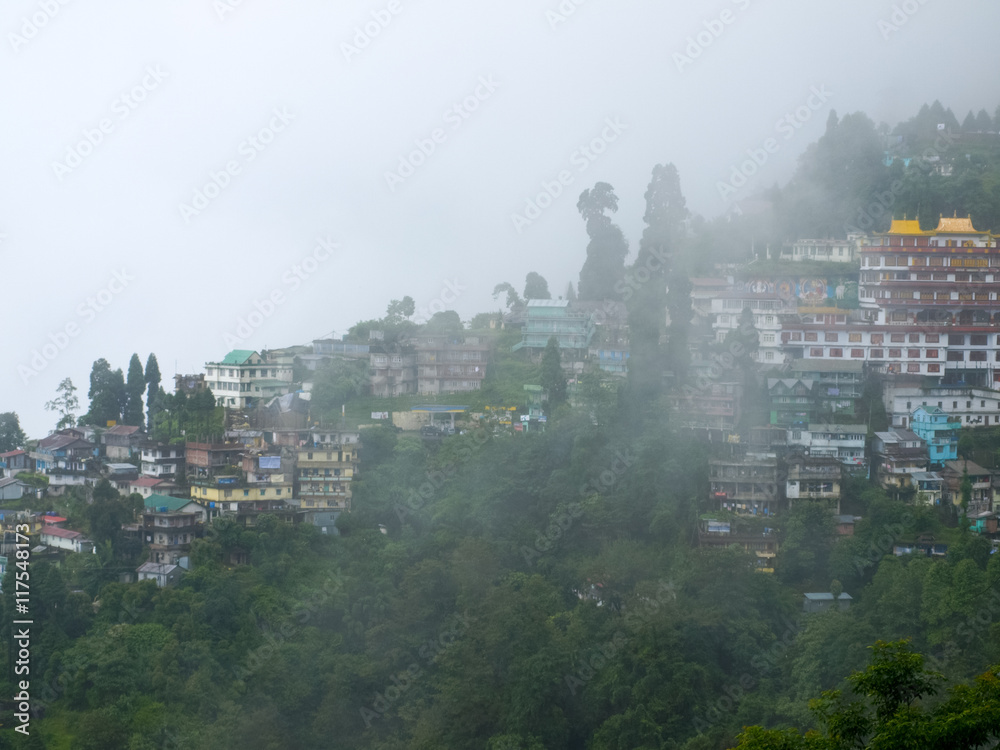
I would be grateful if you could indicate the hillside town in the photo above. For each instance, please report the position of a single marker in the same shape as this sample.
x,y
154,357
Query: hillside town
x,y
790,355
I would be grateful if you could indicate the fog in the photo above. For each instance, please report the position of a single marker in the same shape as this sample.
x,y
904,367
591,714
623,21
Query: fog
x,y
172,167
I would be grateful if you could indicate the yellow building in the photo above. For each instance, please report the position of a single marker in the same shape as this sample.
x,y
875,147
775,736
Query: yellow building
x,y
325,472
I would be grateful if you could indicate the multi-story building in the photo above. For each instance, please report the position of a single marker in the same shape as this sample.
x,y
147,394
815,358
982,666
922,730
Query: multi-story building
x,y
838,385
169,534
162,461
392,370
211,459
448,365
244,377
928,485
546,318
928,302
939,431
325,469
899,454
845,442
721,533
767,310
829,251
715,408
122,441
814,478
745,483
64,459
980,480
970,406
793,401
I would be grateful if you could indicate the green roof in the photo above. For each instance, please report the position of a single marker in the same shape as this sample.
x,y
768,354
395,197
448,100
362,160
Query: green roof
x,y
172,504
238,356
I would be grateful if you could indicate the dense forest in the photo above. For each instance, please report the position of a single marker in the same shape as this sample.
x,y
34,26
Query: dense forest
x,y
528,591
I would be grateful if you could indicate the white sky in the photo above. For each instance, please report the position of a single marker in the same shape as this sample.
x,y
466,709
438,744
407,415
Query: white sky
x,y
65,232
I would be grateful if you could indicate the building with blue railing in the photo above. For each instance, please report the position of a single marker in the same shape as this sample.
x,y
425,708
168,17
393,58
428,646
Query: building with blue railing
x,y
939,430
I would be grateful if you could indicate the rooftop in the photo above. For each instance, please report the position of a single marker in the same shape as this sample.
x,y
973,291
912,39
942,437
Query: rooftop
x,y
172,504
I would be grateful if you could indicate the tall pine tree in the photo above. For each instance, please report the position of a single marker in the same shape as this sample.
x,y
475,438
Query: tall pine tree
x,y
152,379
134,387
602,275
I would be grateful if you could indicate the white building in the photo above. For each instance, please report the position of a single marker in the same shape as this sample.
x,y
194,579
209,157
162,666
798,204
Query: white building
x,y
970,405
162,461
845,442
828,251
244,376
72,541
767,310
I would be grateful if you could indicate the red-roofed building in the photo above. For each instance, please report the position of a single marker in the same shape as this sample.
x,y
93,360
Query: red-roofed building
x,y
71,541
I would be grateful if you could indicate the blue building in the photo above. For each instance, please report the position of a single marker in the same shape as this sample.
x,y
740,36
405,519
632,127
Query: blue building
x,y
940,432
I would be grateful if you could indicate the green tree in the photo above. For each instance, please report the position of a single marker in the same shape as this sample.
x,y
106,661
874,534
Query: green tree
x,y
570,292
513,301
66,403
151,375
887,713
107,394
446,323
11,435
603,272
135,385
400,309
536,287
553,379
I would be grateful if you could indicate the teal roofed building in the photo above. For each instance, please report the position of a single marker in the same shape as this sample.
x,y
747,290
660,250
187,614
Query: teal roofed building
x,y
244,377
939,430
550,317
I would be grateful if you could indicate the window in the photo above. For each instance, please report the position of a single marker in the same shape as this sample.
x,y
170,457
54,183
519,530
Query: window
x,y
895,353
854,338
830,337
979,356
954,404
914,338
769,355
877,354
858,353
811,336
932,354
956,356
932,338
897,338
816,351
836,352
913,367
797,336
956,339
978,339
878,339
982,404
913,354
909,405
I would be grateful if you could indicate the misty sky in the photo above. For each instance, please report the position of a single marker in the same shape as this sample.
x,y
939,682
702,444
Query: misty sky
x,y
295,127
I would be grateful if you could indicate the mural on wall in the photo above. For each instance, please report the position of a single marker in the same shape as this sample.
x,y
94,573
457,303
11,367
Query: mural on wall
x,y
805,289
